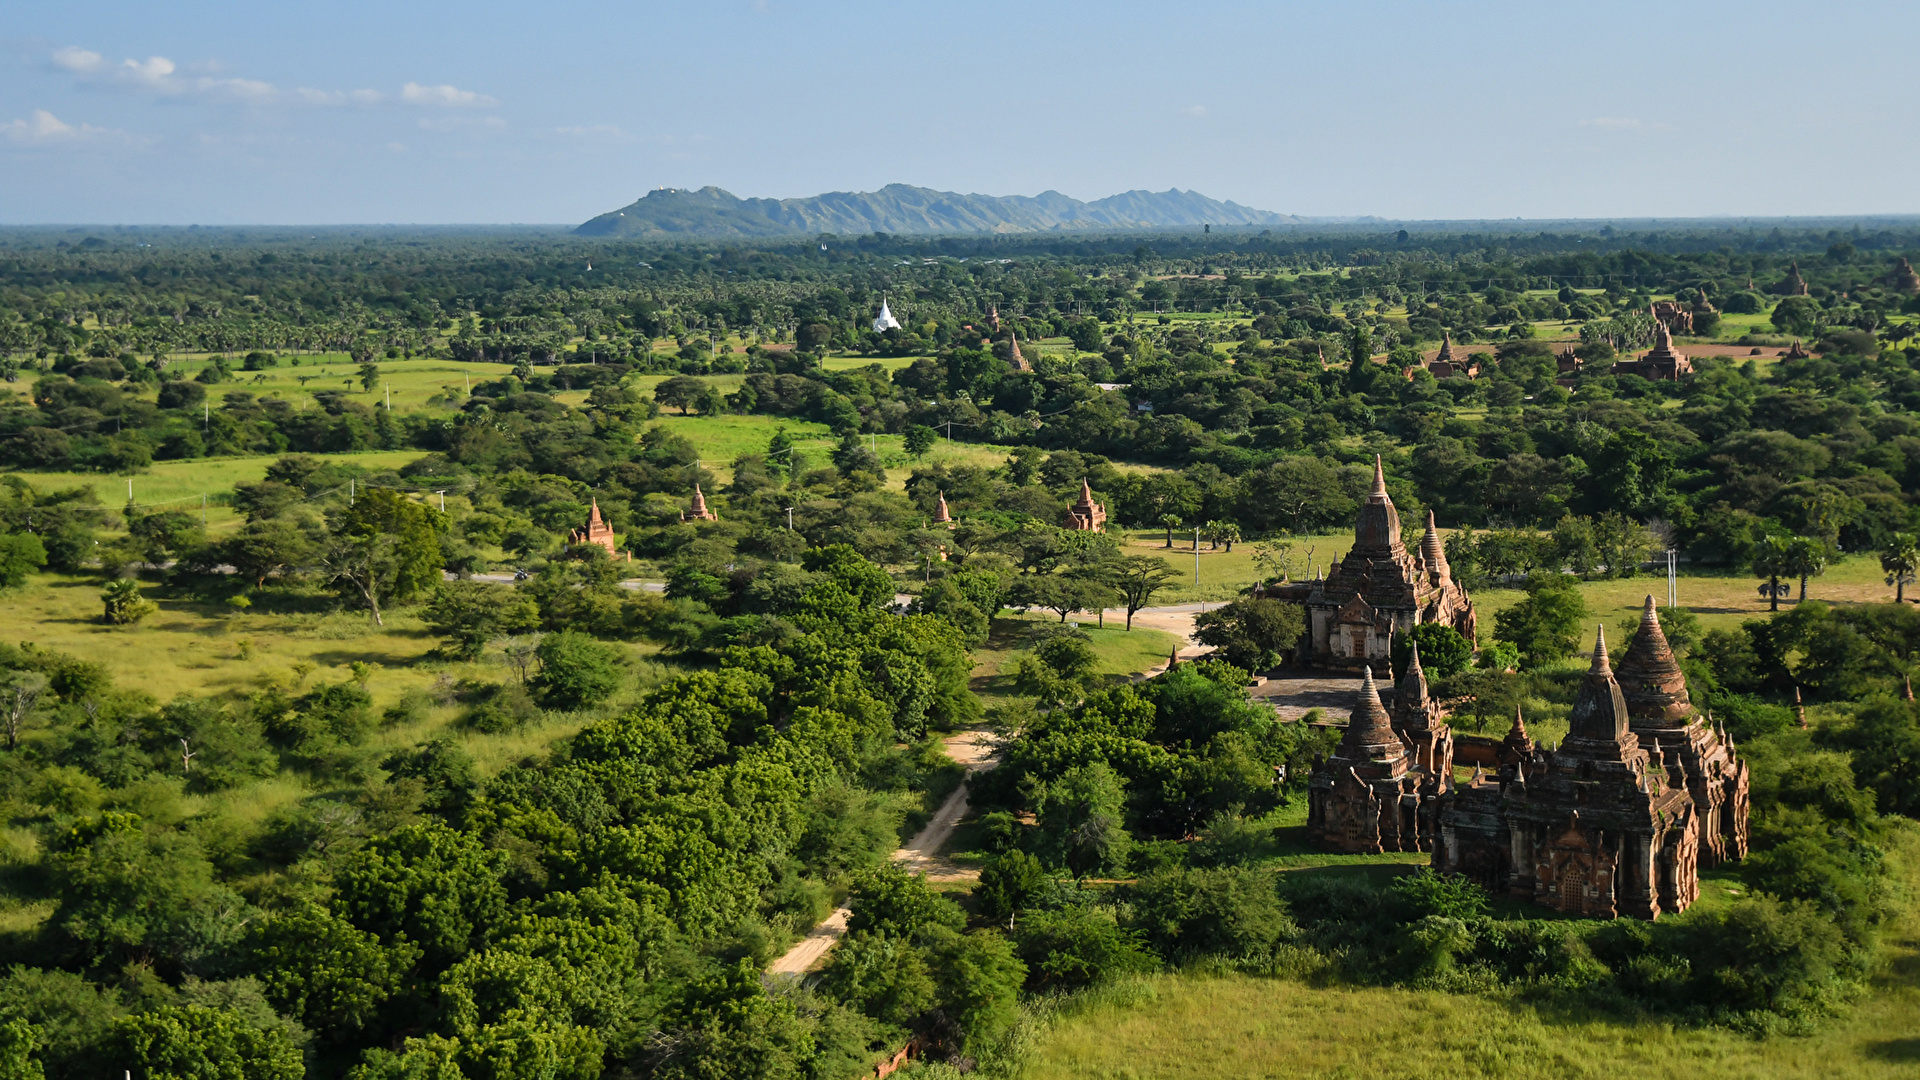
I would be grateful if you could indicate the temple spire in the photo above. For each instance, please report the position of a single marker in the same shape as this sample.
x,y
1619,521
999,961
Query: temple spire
x,y
1379,480
941,516
1370,731
1599,712
1412,690
1434,552
1650,677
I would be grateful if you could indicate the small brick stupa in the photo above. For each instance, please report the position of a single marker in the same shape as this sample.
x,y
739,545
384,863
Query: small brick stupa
x,y
597,532
1014,359
1085,515
698,511
941,515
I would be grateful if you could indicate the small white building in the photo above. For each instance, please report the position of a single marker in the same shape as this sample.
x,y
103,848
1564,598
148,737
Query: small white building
x,y
884,321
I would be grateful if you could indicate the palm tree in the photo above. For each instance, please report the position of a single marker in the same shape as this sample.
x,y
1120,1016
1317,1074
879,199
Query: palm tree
x,y
1772,560
1807,558
1901,560
1169,522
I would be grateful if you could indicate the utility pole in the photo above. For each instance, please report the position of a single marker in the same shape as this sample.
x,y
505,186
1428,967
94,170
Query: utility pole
x,y
1196,554
203,511
129,491
349,492
443,501
789,519
389,397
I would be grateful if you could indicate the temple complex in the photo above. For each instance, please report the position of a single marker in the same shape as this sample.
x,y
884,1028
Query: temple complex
x,y
1377,590
1618,819
1663,363
698,511
1085,515
597,532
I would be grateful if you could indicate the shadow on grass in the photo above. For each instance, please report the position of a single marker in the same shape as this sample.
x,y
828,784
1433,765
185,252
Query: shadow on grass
x,y
1904,1051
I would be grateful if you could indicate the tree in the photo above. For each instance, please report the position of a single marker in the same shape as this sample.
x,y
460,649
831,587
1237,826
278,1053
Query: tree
x,y
193,1042
470,614
1444,651
1252,633
1300,493
17,1043
1136,578
1546,625
369,375
22,690
1062,594
322,971
1076,947
576,671
384,547
264,548
1773,560
1216,533
1082,819
21,554
920,439
889,900
681,391
977,979
427,884
128,895
1901,561
1011,883
1169,522
123,603
1808,557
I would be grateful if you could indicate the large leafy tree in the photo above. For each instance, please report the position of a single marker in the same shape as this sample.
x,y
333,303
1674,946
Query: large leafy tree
x,y
383,547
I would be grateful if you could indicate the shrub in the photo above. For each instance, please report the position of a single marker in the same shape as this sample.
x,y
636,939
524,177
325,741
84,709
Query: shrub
x,y
1189,912
888,900
1010,884
576,671
1077,947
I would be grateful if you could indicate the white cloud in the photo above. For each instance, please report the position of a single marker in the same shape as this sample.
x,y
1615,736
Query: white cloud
x,y
160,76
452,96
74,58
334,98
1195,110
592,131
155,71
43,128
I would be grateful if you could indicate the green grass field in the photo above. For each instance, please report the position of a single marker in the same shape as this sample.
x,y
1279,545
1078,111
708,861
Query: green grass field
x,y
1189,1027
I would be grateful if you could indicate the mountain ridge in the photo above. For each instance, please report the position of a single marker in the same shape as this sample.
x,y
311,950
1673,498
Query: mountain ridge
x,y
908,210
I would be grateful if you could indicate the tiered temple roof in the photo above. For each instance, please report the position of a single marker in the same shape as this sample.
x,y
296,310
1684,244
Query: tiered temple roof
x,y
1085,515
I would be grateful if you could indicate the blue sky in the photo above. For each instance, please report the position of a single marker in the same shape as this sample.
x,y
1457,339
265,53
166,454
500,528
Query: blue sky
x,y
479,111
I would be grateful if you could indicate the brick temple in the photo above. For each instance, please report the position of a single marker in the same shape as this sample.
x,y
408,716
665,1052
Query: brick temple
x,y
1378,589
1617,820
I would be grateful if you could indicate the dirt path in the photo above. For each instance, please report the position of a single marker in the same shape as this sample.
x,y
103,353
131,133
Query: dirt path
x,y
973,749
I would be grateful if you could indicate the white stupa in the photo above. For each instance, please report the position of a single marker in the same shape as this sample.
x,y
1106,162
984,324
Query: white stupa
x,y
884,321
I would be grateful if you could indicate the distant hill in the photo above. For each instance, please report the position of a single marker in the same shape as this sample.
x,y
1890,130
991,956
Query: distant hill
x,y
900,208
